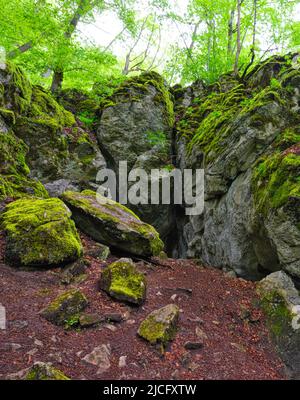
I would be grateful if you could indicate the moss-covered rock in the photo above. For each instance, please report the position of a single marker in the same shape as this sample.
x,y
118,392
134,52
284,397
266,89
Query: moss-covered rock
x,y
137,122
59,146
17,90
161,325
279,298
14,172
66,308
81,104
89,320
45,372
40,233
122,281
276,176
112,224
245,134
280,301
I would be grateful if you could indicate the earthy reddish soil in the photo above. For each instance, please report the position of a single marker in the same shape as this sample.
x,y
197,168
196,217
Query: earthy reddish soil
x,y
237,344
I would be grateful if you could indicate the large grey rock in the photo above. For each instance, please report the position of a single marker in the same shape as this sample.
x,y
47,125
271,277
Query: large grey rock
x,y
112,224
136,126
138,116
59,147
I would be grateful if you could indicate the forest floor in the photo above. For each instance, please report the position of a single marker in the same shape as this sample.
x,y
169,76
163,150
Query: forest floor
x,y
218,310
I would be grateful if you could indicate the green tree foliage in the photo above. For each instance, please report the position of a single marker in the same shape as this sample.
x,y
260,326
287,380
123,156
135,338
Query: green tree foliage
x,y
230,35
41,36
219,36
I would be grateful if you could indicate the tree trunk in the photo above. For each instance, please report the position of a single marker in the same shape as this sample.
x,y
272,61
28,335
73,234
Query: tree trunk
x,y
254,24
252,51
20,49
238,38
83,7
57,81
230,37
126,66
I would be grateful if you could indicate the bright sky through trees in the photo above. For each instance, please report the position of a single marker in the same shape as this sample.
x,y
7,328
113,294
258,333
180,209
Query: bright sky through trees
x,y
107,26
77,43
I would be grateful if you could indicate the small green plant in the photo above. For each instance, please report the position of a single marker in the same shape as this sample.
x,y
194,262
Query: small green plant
x,y
275,84
87,119
168,167
156,138
72,321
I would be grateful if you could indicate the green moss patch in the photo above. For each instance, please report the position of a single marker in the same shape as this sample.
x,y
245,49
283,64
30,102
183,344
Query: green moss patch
x,y
278,315
207,121
276,176
18,90
45,108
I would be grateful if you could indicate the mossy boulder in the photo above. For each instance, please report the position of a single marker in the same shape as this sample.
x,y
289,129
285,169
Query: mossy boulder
x,y
80,103
66,308
112,223
40,233
160,326
122,281
280,301
45,372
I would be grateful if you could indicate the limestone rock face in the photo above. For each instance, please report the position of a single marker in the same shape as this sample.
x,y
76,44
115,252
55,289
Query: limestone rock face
x,y
281,303
136,126
40,233
160,326
249,147
65,308
112,224
138,116
122,281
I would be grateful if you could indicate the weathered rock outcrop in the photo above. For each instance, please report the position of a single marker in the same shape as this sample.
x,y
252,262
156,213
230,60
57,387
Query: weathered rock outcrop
x,y
136,126
40,233
112,224
246,136
59,147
